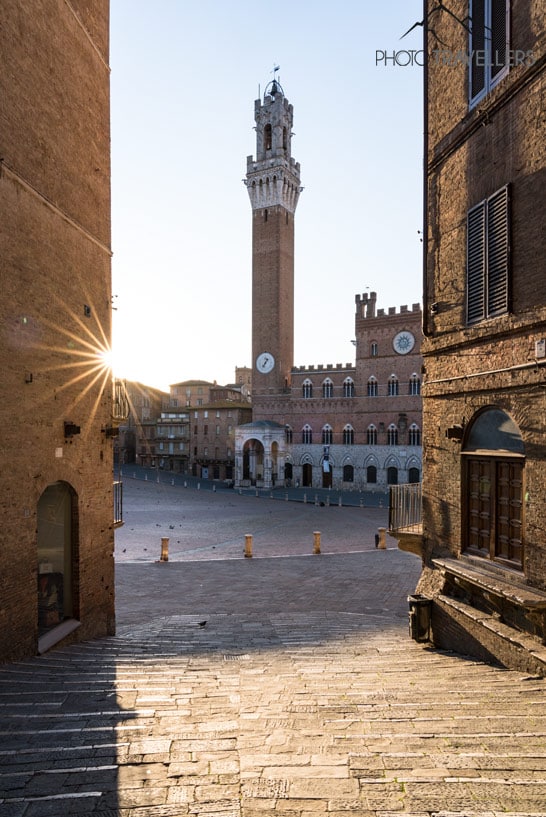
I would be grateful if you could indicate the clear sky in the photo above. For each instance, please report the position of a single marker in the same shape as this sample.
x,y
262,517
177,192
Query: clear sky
x,y
184,79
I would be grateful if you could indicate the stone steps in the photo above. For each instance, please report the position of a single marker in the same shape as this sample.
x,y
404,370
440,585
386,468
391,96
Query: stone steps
x,y
326,713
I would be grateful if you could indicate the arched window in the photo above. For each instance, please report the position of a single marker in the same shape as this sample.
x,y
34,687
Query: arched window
x,y
307,434
493,460
288,434
414,435
392,438
392,476
307,389
371,435
415,384
348,473
348,387
267,137
413,475
284,139
371,474
327,435
372,387
327,388
348,435
393,386
374,349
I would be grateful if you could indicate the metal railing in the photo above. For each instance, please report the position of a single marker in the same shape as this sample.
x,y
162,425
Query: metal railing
x,y
118,503
405,507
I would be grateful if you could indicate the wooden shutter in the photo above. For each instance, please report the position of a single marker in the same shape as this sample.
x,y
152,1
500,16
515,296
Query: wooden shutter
x,y
477,47
475,274
497,253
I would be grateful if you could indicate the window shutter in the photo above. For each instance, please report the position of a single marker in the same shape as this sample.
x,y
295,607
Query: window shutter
x,y
475,242
498,246
477,47
499,31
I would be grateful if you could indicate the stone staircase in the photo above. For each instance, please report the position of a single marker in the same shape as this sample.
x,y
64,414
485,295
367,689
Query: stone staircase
x,y
296,714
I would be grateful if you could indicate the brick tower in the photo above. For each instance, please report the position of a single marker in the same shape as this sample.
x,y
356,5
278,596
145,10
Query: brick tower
x,y
273,183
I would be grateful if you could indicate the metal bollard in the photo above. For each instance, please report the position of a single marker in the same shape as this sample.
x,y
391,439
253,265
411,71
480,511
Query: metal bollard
x,y
382,544
305,499
339,502
214,489
316,542
286,497
248,545
164,549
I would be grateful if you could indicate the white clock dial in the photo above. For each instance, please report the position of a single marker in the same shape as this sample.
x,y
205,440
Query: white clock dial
x,y
265,362
403,342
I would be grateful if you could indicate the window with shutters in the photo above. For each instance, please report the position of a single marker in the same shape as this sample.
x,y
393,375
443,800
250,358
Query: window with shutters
x,y
488,258
488,46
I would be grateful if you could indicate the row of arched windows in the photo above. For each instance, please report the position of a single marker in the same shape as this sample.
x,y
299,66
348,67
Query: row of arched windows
x,y
348,435
393,387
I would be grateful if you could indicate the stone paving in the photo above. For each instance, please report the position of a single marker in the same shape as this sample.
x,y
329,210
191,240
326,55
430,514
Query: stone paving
x,y
217,699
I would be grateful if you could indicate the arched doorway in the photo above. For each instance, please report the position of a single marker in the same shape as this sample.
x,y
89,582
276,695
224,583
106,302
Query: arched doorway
x,y
493,459
57,555
307,475
253,461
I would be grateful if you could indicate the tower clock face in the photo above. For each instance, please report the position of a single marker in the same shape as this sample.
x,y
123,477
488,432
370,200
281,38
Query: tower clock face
x,y
265,362
403,342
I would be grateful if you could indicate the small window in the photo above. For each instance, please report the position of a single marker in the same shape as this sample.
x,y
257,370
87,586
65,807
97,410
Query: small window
x,y
267,137
348,435
392,476
371,435
488,46
348,473
371,474
307,389
392,437
372,387
374,349
288,432
348,387
307,435
327,435
393,386
414,435
327,388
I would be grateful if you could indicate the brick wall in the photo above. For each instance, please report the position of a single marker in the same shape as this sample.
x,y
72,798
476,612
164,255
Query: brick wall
x,y
55,306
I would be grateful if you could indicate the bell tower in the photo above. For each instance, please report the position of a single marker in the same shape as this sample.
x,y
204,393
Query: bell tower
x,y
273,184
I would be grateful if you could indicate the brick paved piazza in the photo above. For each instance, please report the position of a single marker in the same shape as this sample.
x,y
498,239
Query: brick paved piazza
x,y
302,695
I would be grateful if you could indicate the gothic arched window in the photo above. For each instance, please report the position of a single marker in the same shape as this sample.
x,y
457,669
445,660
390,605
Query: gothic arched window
x,y
393,386
414,435
327,388
327,435
414,384
307,435
372,387
348,387
268,136
348,435
371,435
307,389
392,436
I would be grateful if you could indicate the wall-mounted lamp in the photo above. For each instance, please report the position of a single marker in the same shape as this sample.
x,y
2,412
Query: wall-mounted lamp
x,y
434,308
455,432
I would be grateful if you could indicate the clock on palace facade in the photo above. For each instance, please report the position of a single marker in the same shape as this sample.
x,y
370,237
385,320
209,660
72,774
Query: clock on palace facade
x,y
265,362
403,342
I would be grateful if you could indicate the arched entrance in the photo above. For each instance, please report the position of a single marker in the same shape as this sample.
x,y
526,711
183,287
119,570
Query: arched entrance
x,y
57,555
493,459
253,461
307,475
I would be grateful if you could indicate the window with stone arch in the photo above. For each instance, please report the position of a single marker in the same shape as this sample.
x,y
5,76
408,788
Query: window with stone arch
x,y
372,387
348,435
268,137
371,474
392,435
371,435
327,434
348,387
348,473
374,349
307,434
288,434
414,434
327,388
415,384
493,484
393,386
307,389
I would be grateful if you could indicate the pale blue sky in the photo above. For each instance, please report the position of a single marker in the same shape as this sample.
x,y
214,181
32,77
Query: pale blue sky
x,y
184,79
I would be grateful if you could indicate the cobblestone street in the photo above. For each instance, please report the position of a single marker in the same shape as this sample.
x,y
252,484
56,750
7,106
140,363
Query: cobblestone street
x,y
282,684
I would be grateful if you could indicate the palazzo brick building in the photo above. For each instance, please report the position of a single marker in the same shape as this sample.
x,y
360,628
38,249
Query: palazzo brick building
x,y
56,497
483,539
343,426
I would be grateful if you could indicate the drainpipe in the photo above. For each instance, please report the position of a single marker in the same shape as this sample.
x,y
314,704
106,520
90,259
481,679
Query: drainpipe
x,y
427,332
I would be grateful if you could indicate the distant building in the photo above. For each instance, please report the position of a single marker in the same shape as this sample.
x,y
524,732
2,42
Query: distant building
x,y
135,440
483,535
59,412
342,426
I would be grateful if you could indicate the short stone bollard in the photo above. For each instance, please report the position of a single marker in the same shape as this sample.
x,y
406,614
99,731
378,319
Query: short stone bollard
x,y
248,546
316,541
164,549
382,543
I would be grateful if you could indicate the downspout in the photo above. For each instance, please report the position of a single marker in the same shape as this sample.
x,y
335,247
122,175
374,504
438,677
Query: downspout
x,y
427,332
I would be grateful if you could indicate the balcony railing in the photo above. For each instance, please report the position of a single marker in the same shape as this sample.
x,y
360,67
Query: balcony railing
x,y
118,503
405,508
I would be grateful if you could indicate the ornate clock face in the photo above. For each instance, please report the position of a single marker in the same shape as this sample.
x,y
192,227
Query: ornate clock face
x,y
265,362
403,342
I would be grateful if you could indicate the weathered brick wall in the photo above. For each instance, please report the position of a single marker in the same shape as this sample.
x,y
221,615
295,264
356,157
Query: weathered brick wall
x,y
472,152
55,305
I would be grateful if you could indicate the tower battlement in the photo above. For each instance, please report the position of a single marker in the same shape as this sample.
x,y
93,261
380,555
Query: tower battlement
x,y
366,307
